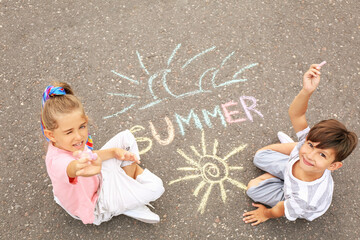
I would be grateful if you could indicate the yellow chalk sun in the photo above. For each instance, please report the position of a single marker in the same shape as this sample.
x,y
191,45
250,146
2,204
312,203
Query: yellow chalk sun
x,y
211,169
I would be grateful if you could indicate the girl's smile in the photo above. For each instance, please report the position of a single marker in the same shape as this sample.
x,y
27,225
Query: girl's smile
x,y
72,132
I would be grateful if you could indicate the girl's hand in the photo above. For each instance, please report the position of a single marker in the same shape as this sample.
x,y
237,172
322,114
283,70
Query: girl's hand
x,y
124,155
86,165
311,78
257,216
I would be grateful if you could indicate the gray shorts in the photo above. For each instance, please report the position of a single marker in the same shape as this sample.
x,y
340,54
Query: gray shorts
x,y
269,191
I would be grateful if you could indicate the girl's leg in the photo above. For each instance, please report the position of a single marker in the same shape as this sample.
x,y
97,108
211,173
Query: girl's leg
x,y
133,170
125,140
146,187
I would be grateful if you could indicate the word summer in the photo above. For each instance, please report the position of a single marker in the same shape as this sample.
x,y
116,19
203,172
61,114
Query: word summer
x,y
227,113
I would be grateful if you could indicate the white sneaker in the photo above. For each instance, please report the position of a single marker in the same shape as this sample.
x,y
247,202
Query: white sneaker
x,y
284,138
144,214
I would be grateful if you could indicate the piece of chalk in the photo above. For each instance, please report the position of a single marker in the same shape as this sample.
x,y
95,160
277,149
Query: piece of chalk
x,y
92,156
322,64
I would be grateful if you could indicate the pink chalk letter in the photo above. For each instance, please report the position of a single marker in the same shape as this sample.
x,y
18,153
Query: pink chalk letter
x,y
228,114
251,108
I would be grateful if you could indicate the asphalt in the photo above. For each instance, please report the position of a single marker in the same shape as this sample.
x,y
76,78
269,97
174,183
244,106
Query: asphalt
x,y
139,64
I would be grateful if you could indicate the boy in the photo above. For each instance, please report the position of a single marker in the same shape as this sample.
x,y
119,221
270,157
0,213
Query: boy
x,y
298,182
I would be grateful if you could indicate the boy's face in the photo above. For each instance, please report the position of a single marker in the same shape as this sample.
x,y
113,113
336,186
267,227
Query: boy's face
x,y
315,160
72,131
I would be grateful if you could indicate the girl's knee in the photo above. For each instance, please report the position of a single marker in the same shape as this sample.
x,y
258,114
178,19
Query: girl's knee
x,y
159,191
157,187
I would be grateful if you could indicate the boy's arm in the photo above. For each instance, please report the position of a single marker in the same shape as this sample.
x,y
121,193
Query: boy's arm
x,y
299,105
284,148
263,213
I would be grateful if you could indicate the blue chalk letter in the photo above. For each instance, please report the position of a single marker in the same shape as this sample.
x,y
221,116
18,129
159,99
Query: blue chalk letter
x,y
214,114
180,120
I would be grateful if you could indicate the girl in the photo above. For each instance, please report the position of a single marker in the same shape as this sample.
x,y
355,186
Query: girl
x,y
93,187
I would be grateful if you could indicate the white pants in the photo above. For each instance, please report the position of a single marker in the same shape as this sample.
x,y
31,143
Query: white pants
x,y
119,192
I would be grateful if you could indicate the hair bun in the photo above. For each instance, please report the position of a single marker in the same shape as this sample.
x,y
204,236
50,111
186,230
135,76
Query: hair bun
x,y
65,86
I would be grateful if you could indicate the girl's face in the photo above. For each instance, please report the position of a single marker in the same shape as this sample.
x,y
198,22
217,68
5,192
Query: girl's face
x,y
72,131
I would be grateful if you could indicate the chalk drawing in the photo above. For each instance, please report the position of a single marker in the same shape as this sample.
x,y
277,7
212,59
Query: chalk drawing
x,y
201,119
211,170
138,128
170,130
163,76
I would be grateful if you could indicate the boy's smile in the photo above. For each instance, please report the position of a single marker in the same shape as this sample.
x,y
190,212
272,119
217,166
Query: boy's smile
x,y
306,162
314,161
72,132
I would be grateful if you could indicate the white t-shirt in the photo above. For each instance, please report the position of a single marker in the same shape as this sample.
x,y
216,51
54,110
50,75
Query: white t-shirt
x,y
307,200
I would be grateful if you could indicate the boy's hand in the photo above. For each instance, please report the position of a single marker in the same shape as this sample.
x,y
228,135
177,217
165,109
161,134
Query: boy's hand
x,y
257,216
124,155
311,78
86,166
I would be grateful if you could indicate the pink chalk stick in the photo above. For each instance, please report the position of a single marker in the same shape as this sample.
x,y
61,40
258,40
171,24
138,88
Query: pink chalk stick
x,y
322,64
93,156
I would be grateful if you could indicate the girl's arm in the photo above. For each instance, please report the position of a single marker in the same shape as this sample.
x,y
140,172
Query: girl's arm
x,y
117,153
84,167
105,154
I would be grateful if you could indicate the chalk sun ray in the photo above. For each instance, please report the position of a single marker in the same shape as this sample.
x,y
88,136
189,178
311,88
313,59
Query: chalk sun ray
x,y
235,168
141,63
236,183
120,112
223,192
185,178
123,95
195,151
187,169
199,187
235,151
173,54
188,159
198,55
204,200
203,144
125,77
216,143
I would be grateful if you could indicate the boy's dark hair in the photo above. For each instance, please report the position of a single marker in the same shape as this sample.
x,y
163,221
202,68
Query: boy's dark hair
x,y
333,134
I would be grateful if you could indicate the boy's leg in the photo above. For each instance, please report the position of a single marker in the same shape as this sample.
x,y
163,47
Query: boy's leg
x,y
256,181
272,161
266,189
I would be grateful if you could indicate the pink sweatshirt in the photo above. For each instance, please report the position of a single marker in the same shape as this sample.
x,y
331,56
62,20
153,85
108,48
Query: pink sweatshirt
x,y
78,196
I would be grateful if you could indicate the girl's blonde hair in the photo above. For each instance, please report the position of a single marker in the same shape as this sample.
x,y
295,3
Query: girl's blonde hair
x,y
59,104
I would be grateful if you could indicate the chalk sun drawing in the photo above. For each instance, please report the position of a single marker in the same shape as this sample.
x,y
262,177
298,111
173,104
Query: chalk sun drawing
x,y
162,76
210,169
